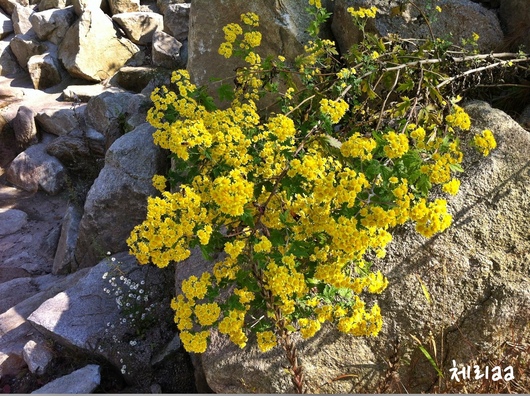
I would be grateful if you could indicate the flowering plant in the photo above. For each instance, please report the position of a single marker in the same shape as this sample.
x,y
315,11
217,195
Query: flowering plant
x,y
301,197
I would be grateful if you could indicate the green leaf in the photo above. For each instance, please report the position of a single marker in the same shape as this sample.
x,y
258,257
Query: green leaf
x,y
226,92
299,249
247,218
277,237
456,168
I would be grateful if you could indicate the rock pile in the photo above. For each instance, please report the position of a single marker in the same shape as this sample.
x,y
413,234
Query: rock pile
x,y
77,142
91,41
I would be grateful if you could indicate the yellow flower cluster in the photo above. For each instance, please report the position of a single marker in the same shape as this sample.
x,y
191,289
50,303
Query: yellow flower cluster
x,y
398,144
431,218
451,187
363,12
250,19
195,342
289,209
266,340
335,109
485,141
358,146
285,283
316,3
308,327
459,118
159,182
232,193
162,237
362,323
232,325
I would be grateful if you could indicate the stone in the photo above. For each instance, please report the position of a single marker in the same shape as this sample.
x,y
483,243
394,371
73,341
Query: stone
x,y
163,4
24,46
476,273
64,256
89,318
515,18
82,93
6,26
121,6
109,111
9,5
44,70
8,62
24,127
75,152
166,51
16,331
81,5
135,79
61,119
84,380
20,18
458,20
12,220
139,26
25,287
52,25
34,169
283,27
117,200
92,50
49,4
524,118
176,20
37,357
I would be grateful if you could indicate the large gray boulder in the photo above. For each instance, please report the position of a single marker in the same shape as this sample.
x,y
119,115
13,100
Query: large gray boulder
x,y
20,18
45,70
60,119
459,19
52,25
8,60
117,200
9,5
34,169
24,46
12,220
111,313
92,49
108,112
6,26
282,24
84,380
176,20
167,51
139,26
477,274
16,331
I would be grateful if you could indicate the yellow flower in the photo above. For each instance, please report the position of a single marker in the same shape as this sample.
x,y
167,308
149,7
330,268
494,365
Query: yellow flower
x,y
438,8
335,109
485,142
266,340
159,182
451,187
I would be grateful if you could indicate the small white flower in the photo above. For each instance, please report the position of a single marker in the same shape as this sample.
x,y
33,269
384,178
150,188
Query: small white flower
x,y
113,259
105,275
142,282
141,291
133,342
109,253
